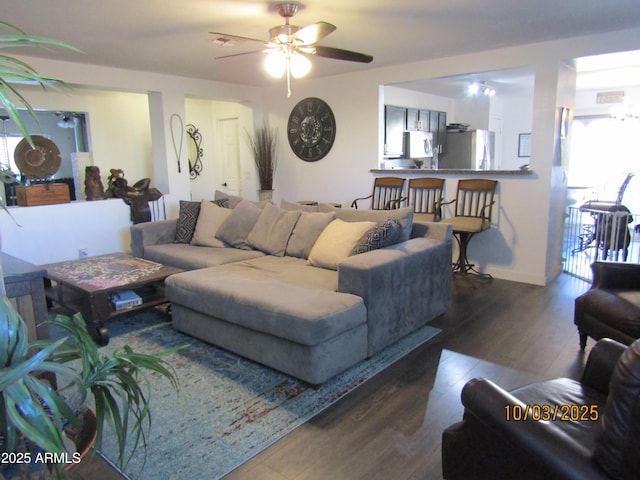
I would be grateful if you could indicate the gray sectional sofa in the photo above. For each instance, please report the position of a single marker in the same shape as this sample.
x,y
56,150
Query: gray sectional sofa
x,y
293,292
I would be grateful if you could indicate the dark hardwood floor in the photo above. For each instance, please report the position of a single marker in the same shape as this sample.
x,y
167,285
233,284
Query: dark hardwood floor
x,y
391,427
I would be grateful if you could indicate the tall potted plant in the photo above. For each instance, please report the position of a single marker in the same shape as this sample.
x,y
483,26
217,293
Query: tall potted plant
x,y
264,143
35,414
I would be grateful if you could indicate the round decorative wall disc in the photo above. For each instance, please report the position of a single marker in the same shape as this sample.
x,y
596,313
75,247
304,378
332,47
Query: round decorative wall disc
x,y
39,162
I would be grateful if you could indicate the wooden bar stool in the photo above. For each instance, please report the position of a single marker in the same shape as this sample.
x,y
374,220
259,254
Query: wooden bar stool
x,y
426,195
386,195
473,206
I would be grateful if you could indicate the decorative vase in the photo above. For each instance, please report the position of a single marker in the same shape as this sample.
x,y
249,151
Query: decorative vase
x,y
265,194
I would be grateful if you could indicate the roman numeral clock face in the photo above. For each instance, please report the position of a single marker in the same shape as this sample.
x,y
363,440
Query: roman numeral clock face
x,y
311,129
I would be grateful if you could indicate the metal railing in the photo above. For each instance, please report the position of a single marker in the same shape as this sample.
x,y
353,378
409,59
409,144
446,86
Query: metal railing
x,y
593,234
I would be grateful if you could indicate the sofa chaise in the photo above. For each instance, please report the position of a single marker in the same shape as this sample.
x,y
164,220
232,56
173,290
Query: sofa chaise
x,y
286,287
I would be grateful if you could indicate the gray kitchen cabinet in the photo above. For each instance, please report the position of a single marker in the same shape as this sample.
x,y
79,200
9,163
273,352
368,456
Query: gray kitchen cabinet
x,y
401,119
395,125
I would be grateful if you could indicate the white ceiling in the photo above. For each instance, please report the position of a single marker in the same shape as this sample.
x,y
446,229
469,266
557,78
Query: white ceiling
x,y
172,36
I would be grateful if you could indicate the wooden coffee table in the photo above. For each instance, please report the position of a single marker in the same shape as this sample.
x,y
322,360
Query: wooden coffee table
x,y
88,285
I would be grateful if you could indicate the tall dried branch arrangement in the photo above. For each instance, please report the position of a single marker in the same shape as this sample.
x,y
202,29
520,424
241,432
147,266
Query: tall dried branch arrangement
x,y
264,142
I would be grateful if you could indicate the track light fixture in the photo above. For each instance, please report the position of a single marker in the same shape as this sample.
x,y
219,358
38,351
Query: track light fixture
x,y
481,88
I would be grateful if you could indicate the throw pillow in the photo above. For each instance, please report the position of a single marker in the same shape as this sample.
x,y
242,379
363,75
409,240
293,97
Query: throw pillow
x,y
298,206
187,218
210,218
403,215
336,242
307,230
272,230
235,229
233,200
382,235
221,202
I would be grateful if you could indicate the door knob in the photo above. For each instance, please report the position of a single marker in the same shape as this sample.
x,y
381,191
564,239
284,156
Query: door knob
x,y
224,184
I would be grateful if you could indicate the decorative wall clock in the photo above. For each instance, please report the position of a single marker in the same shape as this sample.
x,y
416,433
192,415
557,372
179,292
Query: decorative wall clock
x,y
311,129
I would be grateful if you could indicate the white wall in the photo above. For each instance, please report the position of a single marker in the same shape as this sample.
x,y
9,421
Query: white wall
x,y
473,111
409,98
53,233
517,119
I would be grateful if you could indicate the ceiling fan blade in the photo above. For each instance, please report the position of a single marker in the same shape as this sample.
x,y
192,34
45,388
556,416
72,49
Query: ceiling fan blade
x,y
313,33
227,40
237,54
339,54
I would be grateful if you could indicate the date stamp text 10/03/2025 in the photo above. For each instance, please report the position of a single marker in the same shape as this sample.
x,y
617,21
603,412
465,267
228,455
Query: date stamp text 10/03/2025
x,y
551,413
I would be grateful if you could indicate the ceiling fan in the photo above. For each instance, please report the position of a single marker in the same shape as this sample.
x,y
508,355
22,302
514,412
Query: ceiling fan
x,y
289,45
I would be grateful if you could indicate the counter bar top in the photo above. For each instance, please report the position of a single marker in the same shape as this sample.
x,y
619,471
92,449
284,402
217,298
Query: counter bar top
x,y
443,171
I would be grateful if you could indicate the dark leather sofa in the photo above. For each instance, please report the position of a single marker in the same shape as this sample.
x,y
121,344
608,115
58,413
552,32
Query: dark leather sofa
x,y
605,444
611,307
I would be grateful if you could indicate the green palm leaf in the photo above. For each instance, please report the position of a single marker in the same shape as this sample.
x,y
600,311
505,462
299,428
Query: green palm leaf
x,y
15,70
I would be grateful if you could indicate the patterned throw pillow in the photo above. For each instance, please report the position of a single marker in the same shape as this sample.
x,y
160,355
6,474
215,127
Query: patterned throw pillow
x,y
382,235
221,202
187,218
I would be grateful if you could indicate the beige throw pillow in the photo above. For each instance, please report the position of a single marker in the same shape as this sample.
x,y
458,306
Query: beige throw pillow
x,y
209,220
336,242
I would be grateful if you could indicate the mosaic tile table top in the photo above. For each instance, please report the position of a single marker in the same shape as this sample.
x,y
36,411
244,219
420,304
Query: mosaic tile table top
x,y
107,271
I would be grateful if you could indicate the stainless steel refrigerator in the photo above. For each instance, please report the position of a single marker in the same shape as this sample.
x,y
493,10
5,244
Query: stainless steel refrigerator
x,y
470,150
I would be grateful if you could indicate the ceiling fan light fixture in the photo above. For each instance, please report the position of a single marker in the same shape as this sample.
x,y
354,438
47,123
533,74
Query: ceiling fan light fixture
x,y
289,45
299,65
275,63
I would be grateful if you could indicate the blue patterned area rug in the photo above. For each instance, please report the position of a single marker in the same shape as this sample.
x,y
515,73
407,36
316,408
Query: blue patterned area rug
x,y
228,409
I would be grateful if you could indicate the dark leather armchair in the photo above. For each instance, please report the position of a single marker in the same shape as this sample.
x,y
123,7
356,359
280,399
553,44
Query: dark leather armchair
x,y
598,441
611,307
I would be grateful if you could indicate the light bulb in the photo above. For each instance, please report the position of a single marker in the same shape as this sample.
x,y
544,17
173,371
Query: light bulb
x,y
299,64
474,88
276,64
488,91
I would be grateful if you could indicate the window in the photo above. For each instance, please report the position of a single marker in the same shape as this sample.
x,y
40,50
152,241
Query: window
x,y
603,152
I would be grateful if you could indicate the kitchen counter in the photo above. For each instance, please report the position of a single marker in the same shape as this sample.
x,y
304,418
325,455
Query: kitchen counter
x,y
424,171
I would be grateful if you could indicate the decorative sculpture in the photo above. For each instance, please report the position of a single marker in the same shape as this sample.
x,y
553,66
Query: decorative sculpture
x,y
93,188
137,196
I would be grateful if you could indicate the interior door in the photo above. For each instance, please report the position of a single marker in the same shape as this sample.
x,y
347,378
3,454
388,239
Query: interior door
x,y
230,157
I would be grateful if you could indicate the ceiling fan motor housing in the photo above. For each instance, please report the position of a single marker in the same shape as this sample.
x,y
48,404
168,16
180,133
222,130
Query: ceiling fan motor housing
x,y
288,9
283,33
